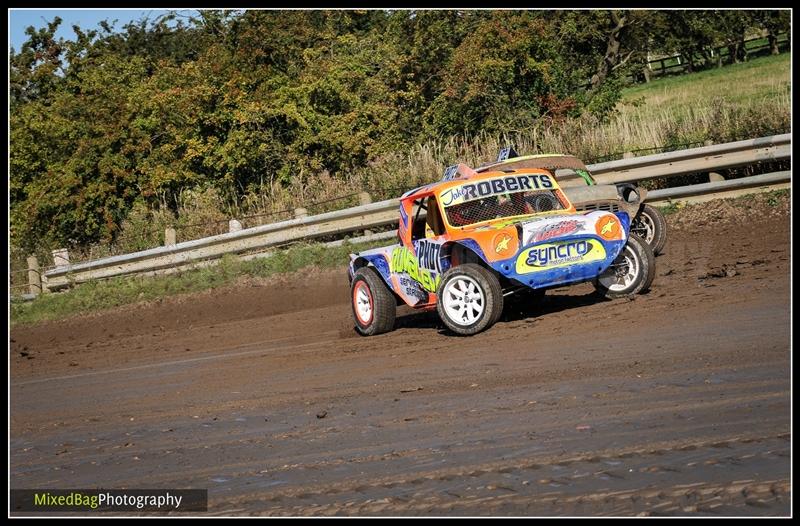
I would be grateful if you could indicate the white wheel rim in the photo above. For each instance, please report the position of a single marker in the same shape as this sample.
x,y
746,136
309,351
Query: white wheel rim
x,y
363,304
463,300
622,272
645,223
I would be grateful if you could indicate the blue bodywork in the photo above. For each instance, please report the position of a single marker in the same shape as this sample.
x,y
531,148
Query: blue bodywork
x,y
570,273
573,273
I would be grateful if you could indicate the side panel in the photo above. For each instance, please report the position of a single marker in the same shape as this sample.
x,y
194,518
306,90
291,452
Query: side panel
x,y
413,275
566,249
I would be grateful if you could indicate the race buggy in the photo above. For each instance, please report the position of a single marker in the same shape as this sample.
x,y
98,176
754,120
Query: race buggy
x,y
586,194
473,239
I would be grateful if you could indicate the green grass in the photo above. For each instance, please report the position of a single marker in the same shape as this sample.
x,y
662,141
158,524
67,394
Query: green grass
x,y
670,208
772,198
746,83
99,295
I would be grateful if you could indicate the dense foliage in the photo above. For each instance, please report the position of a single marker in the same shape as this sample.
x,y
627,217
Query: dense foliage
x,y
114,121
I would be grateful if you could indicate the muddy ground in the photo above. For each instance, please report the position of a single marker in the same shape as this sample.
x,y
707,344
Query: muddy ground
x,y
675,403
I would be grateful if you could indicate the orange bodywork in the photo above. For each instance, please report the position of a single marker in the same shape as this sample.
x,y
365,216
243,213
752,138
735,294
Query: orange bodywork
x,y
496,237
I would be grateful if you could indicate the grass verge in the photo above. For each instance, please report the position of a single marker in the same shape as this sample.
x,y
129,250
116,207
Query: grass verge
x,y
98,295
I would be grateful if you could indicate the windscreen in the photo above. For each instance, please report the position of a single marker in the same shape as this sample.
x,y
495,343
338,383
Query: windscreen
x,y
500,197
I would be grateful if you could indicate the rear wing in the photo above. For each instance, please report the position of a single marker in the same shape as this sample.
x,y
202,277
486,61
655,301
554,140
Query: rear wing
x,y
508,159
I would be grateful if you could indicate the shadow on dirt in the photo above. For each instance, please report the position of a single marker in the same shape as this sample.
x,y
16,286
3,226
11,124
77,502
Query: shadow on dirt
x,y
419,320
526,308
516,309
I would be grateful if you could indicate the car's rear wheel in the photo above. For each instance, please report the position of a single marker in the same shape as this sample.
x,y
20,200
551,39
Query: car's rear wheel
x,y
374,305
631,272
651,225
470,299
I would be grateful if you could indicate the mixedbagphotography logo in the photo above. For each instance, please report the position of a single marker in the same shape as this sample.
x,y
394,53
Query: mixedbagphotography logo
x,y
82,500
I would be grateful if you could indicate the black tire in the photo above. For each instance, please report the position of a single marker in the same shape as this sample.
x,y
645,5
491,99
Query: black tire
x,y
638,252
487,300
651,225
368,284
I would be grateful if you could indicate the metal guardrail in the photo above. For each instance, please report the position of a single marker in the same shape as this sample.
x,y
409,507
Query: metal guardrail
x,y
260,237
717,188
185,254
702,159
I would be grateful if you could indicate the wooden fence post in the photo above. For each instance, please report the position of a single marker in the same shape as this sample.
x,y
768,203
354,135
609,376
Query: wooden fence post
x,y
34,277
364,198
61,257
170,237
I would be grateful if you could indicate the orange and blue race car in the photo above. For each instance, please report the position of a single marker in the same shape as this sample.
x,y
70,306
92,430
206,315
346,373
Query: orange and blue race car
x,y
471,240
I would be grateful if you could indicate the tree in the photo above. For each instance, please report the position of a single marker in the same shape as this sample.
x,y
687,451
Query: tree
x,y
774,22
34,71
605,46
689,33
732,26
503,76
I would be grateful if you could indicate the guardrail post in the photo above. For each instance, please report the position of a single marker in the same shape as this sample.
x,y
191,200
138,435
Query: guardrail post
x,y
627,155
714,177
34,278
364,198
234,225
170,237
300,213
61,257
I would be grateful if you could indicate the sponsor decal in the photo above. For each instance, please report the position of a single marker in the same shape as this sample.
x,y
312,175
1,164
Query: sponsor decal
x,y
562,228
504,244
507,153
556,254
403,216
452,196
412,289
405,262
501,185
428,254
608,227
559,254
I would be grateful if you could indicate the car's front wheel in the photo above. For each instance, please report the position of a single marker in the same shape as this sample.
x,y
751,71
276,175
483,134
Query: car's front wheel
x,y
631,272
374,306
470,299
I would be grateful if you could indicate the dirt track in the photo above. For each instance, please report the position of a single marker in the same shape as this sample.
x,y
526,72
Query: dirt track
x,y
677,403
